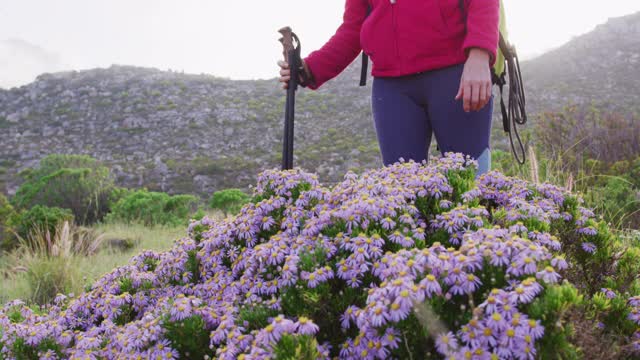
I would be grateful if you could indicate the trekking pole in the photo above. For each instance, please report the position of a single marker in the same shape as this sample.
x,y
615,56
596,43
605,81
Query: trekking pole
x,y
291,54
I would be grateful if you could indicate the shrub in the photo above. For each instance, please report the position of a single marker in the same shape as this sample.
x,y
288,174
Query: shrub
x,y
6,215
49,276
584,147
66,240
613,189
229,200
618,201
74,182
407,261
40,220
38,278
50,264
153,208
579,133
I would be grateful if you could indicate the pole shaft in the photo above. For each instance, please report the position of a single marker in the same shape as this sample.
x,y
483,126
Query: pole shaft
x,y
285,144
287,156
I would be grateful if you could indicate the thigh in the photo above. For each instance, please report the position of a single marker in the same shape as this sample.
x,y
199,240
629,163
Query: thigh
x,y
455,129
402,125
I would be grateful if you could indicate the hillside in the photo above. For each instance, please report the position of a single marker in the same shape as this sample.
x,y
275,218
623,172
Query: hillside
x,y
600,66
182,133
196,133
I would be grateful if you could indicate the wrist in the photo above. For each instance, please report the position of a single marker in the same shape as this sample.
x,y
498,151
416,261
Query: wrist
x,y
479,54
307,76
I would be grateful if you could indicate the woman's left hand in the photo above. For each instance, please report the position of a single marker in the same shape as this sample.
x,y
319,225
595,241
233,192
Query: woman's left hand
x,y
475,85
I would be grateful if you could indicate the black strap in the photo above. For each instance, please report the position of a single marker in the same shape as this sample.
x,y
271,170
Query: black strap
x,y
365,61
463,10
364,70
515,113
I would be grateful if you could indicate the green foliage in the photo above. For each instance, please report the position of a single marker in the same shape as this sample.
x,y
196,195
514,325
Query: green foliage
x,y
48,277
6,215
127,315
117,194
612,313
126,284
324,304
193,266
40,219
197,231
302,347
15,315
189,337
618,200
257,317
552,309
75,182
625,279
321,303
153,208
461,181
229,201
25,351
198,215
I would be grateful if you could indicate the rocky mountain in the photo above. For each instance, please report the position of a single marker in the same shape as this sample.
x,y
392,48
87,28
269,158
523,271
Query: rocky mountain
x,y
185,133
182,133
602,66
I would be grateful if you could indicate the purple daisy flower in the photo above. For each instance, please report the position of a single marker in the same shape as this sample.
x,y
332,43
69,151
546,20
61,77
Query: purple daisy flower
x,y
589,247
610,294
548,275
306,326
446,343
590,231
559,263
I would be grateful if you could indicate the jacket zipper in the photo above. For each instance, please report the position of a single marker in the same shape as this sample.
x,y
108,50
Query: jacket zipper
x,y
394,24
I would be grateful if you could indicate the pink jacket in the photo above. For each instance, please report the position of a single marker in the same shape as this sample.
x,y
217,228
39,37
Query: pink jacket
x,y
406,36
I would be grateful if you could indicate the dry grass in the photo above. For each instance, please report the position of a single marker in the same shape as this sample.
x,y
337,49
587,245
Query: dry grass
x,y
74,258
67,240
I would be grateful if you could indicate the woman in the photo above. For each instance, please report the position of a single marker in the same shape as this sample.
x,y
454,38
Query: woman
x,y
431,68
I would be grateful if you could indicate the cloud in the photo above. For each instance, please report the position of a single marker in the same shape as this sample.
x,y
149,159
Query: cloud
x,y
21,61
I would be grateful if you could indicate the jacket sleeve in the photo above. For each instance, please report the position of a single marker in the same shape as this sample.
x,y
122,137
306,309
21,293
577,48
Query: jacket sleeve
x,y
343,47
483,18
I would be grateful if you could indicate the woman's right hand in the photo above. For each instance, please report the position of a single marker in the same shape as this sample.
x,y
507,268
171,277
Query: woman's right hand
x,y
285,73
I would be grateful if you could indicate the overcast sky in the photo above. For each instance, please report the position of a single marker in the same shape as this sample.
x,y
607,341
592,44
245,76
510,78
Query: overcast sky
x,y
228,38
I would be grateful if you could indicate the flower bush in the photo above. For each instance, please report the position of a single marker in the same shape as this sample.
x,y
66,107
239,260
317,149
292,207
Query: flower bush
x,y
410,261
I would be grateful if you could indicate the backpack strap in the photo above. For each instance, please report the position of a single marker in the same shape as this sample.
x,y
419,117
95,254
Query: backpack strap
x,y
364,70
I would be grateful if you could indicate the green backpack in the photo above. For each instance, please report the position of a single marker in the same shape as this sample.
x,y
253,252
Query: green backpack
x,y
499,67
506,71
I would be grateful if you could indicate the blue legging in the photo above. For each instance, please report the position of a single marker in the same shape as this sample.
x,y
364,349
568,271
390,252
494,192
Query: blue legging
x,y
408,109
